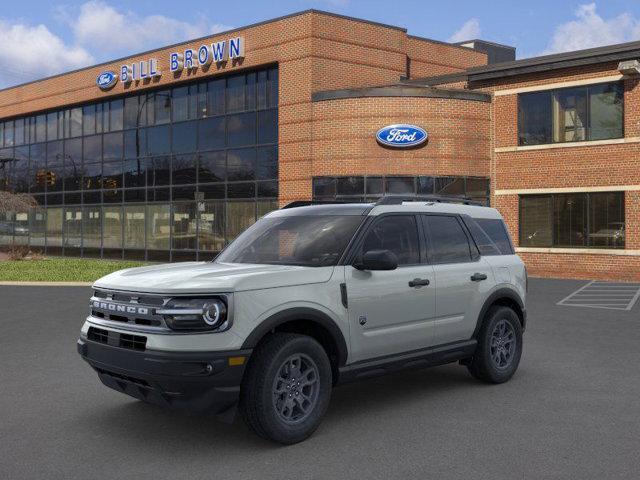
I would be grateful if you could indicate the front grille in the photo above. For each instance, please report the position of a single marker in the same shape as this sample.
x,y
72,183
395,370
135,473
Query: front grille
x,y
98,335
133,342
122,340
129,308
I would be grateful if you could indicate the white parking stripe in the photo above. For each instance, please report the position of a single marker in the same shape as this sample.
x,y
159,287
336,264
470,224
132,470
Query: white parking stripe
x,y
613,296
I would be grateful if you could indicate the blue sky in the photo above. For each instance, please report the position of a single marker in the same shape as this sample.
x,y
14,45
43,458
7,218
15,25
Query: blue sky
x,y
43,37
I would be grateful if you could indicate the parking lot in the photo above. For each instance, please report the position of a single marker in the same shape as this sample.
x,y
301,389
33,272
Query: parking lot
x,y
571,411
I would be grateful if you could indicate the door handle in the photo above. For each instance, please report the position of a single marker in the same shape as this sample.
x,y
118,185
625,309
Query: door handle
x,y
419,282
477,277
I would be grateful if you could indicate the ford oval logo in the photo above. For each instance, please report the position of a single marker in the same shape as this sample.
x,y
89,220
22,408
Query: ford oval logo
x,y
401,136
106,80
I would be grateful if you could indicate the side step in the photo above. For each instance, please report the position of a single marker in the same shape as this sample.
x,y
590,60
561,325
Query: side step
x,y
428,357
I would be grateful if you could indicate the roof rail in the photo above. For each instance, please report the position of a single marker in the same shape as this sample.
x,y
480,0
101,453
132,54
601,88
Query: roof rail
x,y
307,203
400,199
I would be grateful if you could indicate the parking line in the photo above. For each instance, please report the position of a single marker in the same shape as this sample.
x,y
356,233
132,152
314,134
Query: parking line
x,y
612,296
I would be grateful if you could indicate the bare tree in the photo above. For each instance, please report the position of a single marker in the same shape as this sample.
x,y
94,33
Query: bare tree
x,y
16,202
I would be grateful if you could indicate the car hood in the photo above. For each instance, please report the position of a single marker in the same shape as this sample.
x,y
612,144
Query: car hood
x,y
208,277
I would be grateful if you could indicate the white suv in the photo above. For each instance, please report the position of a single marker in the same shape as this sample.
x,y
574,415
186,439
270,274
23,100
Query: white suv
x,y
308,297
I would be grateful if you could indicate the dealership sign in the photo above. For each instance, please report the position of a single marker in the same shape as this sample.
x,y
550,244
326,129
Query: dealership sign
x,y
189,59
401,136
106,80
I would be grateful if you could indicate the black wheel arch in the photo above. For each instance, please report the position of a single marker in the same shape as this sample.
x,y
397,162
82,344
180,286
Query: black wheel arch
x,y
308,321
505,297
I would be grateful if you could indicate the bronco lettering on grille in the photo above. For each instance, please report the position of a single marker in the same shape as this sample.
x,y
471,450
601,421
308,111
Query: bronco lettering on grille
x,y
114,307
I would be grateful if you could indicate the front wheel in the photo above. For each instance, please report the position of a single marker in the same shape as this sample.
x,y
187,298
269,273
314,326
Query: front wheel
x,y
499,347
287,387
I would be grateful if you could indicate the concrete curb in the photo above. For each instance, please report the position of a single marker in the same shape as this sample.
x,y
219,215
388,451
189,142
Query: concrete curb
x,y
47,284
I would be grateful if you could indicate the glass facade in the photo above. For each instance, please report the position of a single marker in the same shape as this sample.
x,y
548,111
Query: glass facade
x,y
169,174
573,220
371,188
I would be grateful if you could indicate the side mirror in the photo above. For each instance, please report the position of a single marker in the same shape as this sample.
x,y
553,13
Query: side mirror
x,y
378,260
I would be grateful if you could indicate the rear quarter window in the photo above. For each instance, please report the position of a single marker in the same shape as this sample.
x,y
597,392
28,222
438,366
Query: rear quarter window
x,y
496,230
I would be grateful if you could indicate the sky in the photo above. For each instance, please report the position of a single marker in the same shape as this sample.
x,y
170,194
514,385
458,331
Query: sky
x,y
39,38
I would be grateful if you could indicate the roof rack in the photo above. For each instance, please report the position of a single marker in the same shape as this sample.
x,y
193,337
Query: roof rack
x,y
400,199
307,203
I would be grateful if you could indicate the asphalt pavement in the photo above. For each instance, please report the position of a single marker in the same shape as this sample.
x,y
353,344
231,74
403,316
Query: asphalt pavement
x,y
572,411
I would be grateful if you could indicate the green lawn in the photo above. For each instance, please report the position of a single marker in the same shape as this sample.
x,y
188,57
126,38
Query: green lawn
x,y
60,269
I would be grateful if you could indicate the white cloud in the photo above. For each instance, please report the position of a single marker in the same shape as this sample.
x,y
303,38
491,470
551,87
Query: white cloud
x,y
108,30
469,31
28,52
591,30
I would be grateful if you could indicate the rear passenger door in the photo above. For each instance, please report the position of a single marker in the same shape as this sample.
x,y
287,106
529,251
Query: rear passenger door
x,y
462,277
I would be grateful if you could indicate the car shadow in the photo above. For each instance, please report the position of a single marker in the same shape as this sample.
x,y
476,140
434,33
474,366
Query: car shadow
x,y
185,434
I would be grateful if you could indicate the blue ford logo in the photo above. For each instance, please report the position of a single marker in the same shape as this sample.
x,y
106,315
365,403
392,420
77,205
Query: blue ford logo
x,y
106,80
401,136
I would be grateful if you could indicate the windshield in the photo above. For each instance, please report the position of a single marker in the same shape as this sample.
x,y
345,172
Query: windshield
x,y
311,241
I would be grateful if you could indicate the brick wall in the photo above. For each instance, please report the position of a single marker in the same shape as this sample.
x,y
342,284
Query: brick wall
x,y
580,167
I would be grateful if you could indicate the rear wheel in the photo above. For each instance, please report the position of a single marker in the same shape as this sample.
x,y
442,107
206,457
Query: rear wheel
x,y
499,346
287,388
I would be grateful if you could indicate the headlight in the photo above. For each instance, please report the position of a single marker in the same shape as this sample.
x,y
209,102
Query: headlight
x,y
196,314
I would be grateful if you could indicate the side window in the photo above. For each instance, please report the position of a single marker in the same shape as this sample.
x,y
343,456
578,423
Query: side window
x,y
485,244
497,232
449,243
397,233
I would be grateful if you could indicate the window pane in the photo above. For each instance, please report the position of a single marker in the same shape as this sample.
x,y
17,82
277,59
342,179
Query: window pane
x,y
374,186
162,107
37,168
452,186
184,226
426,185
75,122
37,226
54,227
102,117
570,115
184,137
211,227
241,130
158,140
267,168
116,117
240,215
534,118
161,173
73,164
184,169
92,176
448,242
131,112
607,220
89,120
212,167
477,189
73,227
52,126
112,227
135,173
398,185
8,134
485,245
235,93
241,164
134,226
350,186
135,143
92,148
570,218
92,227
112,175
324,187
536,217
268,126
112,145
55,165
41,129
397,233
21,170
250,91
606,104
180,103
158,227
211,133
215,95
19,131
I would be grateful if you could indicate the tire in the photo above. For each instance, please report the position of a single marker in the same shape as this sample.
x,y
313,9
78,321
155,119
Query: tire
x,y
495,359
276,405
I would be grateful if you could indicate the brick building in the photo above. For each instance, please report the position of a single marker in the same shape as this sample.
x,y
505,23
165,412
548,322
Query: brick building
x,y
169,154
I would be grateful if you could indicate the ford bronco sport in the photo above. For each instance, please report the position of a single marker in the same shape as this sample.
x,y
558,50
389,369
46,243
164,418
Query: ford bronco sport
x,y
308,297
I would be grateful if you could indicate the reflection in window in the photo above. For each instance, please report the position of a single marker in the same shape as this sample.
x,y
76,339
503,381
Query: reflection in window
x,y
112,236
54,227
92,227
239,216
134,226
211,227
241,164
37,226
184,226
158,227
241,129
73,227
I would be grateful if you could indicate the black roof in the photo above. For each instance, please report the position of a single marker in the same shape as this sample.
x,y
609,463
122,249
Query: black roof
x,y
590,56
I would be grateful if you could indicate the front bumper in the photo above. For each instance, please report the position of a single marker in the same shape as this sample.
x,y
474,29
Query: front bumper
x,y
195,381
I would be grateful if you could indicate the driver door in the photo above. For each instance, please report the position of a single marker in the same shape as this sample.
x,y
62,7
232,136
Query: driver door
x,y
387,315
